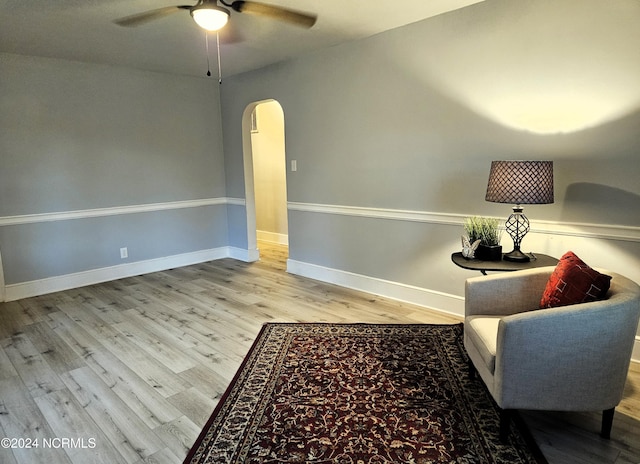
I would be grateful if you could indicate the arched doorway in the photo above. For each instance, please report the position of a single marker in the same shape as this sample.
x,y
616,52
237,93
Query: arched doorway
x,y
265,174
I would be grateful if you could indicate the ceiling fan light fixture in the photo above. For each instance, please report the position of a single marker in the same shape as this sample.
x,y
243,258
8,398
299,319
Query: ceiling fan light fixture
x,y
210,17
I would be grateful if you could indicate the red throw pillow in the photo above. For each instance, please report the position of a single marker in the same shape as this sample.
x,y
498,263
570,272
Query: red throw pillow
x,y
573,282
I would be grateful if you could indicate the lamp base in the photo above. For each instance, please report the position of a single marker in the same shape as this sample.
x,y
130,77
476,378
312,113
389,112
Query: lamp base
x,y
517,256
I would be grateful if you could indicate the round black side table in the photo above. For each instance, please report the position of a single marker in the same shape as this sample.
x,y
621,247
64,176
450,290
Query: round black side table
x,y
537,260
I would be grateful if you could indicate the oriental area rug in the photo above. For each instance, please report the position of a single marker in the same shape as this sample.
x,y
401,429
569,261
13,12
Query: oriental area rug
x,y
358,394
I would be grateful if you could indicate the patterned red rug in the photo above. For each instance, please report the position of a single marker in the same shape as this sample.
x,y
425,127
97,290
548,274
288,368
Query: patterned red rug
x,y
358,393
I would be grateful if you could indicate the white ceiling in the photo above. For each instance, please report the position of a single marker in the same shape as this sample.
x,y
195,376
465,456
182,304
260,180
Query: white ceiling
x,y
83,30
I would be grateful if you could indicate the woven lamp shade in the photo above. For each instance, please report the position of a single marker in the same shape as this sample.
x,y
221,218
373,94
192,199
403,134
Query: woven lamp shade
x,y
521,182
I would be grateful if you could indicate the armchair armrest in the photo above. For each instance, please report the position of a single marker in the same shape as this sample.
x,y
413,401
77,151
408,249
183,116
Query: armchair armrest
x,y
581,353
506,293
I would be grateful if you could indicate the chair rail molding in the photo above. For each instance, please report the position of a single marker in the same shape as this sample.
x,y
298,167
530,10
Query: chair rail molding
x,y
110,211
586,230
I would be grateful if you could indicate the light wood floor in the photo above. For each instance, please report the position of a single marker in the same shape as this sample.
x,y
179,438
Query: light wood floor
x,y
129,371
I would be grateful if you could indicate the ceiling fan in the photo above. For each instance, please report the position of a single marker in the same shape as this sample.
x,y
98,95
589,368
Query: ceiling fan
x,y
212,17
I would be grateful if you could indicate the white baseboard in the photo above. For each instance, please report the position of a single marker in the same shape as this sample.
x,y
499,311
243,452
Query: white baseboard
x,y
95,276
272,237
248,256
438,301
432,299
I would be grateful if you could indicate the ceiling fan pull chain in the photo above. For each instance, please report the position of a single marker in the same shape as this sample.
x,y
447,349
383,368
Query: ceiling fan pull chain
x,y
206,43
219,66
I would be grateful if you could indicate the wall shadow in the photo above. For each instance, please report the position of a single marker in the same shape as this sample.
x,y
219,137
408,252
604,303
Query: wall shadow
x,y
614,205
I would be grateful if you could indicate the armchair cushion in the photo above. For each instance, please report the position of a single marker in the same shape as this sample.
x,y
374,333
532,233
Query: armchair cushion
x,y
483,333
572,282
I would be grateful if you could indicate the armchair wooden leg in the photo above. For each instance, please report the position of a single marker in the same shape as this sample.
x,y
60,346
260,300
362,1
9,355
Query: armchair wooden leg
x,y
607,423
505,423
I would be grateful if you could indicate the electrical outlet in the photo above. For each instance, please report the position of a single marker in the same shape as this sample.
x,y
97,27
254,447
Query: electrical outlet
x,y
124,253
294,165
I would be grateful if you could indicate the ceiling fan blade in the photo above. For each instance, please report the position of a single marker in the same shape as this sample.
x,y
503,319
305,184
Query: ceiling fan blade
x,y
297,18
151,15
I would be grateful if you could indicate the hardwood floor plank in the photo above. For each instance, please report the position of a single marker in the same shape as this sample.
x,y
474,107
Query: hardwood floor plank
x,y
179,435
69,421
6,368
549,428
124,429
164,456
36,309
21,418
215,360
34,371
6,455
142,398
153,320
58,355
152,371
75,334
162,348
196,405
109,297
94,320
10,319
631,404
211,384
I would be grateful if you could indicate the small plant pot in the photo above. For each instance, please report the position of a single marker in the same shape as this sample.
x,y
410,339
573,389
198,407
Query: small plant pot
x,y
489,253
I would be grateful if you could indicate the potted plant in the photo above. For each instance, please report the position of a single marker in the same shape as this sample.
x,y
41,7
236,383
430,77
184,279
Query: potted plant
x,y
486,230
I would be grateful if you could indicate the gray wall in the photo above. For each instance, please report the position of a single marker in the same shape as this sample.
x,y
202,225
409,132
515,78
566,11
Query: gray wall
x,y
78,137
397,126
409,120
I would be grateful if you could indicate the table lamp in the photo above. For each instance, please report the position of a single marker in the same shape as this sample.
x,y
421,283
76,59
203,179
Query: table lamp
x,y
520,183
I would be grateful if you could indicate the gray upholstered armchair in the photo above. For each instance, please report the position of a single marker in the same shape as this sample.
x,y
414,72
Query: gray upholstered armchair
x,y
570,358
